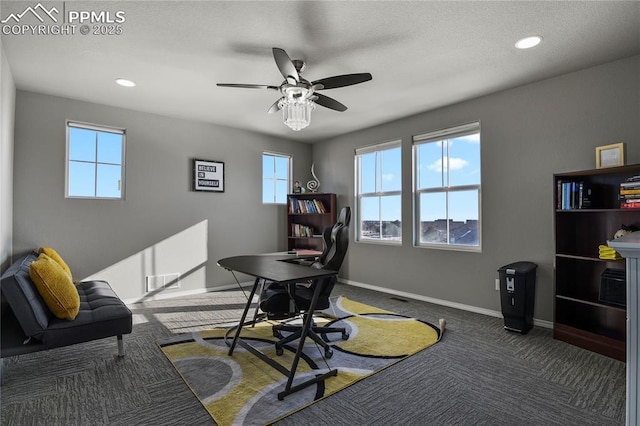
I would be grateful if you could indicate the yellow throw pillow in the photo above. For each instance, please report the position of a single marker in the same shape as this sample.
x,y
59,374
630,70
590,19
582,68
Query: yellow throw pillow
x,y
55,256
55,287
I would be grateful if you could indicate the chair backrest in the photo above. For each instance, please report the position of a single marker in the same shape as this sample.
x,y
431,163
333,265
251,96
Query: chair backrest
x,y
335,241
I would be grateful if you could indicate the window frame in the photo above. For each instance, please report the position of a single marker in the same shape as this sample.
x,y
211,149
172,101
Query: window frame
x,y
103,129
289,185
437,136
358,196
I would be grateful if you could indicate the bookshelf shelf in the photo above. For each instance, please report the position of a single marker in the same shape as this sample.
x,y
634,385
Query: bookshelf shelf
x,y
308,215
588,212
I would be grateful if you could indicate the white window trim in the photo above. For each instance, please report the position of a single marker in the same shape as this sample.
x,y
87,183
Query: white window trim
x,y
98,128
396,143
457,131
289,157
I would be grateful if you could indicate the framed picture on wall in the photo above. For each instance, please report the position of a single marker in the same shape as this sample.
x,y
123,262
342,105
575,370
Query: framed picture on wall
x,y
208,176
610,155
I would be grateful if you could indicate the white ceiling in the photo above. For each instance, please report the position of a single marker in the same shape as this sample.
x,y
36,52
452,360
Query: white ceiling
x,y
422,54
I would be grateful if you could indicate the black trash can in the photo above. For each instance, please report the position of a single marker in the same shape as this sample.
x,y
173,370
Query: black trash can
x,y
517,295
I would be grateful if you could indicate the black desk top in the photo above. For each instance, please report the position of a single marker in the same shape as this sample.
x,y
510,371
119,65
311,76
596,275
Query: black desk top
x,y
273,268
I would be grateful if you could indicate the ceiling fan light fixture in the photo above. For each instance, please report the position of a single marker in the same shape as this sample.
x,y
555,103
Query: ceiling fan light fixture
x,y
296,113
298,95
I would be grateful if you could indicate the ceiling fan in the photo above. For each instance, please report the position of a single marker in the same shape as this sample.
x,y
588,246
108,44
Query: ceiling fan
x,y
300,96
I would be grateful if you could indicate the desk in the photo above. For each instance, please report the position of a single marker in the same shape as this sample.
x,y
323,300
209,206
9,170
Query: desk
x,y
278,268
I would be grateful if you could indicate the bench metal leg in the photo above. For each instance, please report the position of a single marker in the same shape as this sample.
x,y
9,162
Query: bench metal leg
x,y
120,346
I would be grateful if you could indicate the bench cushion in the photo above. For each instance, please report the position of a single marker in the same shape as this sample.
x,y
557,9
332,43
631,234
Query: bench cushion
x,y
55,256
55,286
102,314
23,297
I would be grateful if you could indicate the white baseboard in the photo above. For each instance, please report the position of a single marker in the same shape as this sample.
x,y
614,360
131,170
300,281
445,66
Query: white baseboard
x,y
477,310
172,293
469,308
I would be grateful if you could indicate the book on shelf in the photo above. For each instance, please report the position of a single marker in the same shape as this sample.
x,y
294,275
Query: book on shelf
x,y
630,193
298,230
298,206
574,195
627,205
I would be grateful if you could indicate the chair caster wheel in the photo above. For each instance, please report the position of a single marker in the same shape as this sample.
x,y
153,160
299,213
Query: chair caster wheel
x,y
328,353
279,351
345,336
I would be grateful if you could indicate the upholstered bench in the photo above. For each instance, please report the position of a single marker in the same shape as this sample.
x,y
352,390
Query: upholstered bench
x,y
28,325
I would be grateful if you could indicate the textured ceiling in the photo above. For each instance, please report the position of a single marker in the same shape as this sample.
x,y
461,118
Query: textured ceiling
x,y
422,54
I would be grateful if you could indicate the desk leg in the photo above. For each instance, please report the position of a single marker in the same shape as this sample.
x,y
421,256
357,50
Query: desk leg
x,y
303,335
256,283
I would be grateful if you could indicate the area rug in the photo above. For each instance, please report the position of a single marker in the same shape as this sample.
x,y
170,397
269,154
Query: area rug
x,y
242,390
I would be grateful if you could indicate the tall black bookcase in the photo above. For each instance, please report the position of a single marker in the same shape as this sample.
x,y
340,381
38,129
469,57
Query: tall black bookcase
x,y
586,218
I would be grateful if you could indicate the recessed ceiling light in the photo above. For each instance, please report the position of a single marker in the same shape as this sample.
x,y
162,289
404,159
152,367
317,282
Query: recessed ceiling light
x,y
528,42
124,82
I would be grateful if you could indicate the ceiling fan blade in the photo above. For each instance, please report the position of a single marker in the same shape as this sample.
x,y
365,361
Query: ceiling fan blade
x,y
328,102
285,65
249,86
275,107
343,80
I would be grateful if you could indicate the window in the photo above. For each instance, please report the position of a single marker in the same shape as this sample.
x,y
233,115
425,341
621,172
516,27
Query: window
x,y
379,193
447,188
276,178
95,161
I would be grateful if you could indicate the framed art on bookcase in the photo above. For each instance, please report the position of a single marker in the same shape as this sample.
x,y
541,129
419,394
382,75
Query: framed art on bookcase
x,y
208,176
610,155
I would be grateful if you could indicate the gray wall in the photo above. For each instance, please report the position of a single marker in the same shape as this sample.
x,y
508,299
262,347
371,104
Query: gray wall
x,y
7,108
528,134
162,227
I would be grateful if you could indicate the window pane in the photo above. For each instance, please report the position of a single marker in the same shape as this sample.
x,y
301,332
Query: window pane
x,y
268,166
463,215
81,179
391,165
464,160
368,173
268,194
370,218
430,168
275,178
281,191
109,148
391,215
433,214
109,181
282,168
82,144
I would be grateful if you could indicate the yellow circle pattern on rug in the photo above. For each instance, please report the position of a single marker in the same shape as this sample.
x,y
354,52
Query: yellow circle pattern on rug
x,y
395,336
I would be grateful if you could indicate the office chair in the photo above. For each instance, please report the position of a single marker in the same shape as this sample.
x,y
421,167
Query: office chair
x,y
276,300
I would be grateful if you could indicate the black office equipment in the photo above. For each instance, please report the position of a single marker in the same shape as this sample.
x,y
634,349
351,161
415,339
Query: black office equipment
x,y
613,287
517,294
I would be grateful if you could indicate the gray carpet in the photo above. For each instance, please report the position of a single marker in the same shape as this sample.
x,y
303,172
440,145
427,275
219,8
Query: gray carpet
x,y
478,374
